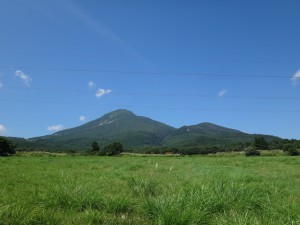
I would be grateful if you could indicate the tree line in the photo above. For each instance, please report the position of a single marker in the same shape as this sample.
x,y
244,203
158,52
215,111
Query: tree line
x,y
291,147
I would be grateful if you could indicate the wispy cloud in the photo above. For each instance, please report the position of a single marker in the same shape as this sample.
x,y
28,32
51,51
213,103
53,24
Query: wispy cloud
x,y
91,84
1,85
25,78
84,17
55,127
222,93
82,118
102,92
2,130
296,77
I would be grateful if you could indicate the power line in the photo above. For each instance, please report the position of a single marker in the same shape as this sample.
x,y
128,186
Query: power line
x,y
148,72
156,58
155,107
163,94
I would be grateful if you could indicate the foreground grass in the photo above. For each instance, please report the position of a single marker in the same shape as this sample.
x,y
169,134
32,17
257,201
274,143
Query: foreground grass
x,y
149,190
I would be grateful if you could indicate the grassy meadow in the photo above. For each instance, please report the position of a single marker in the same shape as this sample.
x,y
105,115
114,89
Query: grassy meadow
x,y
65,189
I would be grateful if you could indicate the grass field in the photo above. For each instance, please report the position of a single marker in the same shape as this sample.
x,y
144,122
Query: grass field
x,y
149,190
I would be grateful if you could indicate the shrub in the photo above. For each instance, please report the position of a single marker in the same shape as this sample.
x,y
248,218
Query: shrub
x,y
291,150
251,151
112,149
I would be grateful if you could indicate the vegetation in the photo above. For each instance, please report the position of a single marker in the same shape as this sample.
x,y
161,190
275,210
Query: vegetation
x,y
252,151
56,189
291,150
250,148
260,143
6,147
291,147
95,148
112,149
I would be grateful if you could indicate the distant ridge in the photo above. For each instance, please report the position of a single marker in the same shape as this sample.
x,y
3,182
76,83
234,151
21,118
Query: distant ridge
x,y
135,132
206,134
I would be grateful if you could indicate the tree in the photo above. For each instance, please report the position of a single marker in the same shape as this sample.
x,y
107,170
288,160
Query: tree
x,y
95,147
112,149
291,150
251,151
6,147
260,143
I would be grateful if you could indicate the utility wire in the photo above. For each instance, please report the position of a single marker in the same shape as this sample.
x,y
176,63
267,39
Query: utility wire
x,y
154,107
157,58
147,72
160,94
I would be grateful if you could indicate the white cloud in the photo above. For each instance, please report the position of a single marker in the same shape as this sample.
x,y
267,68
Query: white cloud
x,y
1,85
102,92
2,130
91,84
55,127
296,77
222,93
25,78
82,118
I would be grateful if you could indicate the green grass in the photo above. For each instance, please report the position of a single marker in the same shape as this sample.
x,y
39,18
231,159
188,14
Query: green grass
x,y
63,189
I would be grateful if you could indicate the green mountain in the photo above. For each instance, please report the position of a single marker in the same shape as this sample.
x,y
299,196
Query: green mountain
x,y
204,134
134,132
120,125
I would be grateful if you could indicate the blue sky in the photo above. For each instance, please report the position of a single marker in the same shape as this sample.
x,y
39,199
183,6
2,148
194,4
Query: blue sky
x,y
233,63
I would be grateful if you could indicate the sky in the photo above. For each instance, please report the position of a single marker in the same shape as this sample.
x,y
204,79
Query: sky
x,y
233,63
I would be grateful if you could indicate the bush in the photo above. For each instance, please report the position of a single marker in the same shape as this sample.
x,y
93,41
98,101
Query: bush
x,y
6,147
251,151
112,149
291,150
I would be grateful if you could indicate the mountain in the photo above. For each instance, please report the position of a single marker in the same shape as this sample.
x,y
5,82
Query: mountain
x,y
204,134
120,125
134,132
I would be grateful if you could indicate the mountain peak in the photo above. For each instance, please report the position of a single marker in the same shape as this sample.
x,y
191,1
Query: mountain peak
x,y
119,113
206,124
216,128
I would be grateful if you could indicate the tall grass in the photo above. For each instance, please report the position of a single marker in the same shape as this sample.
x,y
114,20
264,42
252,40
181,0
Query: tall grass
x,y
149,190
